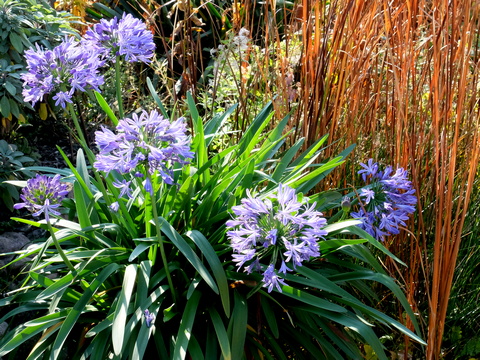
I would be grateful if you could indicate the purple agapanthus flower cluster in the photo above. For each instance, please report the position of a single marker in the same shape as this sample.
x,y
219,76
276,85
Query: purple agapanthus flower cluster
x,y
126,37
61,71
276,230
387,200
43,194
145,143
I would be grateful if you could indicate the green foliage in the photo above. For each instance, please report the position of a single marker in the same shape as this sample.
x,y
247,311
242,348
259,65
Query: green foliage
x,y
12,163
23,23
208,310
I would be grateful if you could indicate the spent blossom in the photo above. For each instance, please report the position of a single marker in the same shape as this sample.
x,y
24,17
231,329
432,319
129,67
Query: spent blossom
x,y
43,194
386,202
143,144
277,230
60,71
127,37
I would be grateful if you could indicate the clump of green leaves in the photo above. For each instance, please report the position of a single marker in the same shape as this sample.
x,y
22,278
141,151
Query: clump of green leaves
x,y
23,23
119,302
12,162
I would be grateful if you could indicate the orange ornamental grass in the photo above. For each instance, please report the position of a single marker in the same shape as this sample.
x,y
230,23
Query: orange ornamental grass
x,y
400,78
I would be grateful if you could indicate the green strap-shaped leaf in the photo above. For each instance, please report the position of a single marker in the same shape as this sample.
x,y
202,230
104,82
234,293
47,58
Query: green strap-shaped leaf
x,y
340,225
79,307
23,308
313,300
104,105
156,98
286,159
186,325
364,235
221,332
187,251
307,155
139,249
215,124
237,327
270,316
120,316
82,213
252,133
198,143
356,324
22,334
216,266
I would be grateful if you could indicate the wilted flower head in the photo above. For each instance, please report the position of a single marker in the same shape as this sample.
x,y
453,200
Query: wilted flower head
x,y
146,142
60,71
128,37
43,194
386,202
277,230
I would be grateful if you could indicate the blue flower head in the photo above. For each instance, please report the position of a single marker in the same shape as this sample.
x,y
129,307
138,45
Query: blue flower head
x,y
127,37
43,194
386,202
144,143
278,230
60,71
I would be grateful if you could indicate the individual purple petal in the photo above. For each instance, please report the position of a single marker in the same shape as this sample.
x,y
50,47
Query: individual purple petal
x,y
124,187
367,194
369,169
62,98
271,279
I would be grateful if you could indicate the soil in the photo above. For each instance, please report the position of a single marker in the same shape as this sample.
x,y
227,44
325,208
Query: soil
x,y
44,137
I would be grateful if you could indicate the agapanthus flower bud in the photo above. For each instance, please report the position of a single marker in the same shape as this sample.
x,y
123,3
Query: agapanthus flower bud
x,y
43,194
146,142
127,37
114,206
346,204
149,318
60,71
387,202
274,230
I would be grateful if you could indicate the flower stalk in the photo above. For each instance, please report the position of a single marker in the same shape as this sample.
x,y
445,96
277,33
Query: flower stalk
x,y
118,87
59,248
163,255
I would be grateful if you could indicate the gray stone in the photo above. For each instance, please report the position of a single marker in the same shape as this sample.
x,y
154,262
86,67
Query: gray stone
x,y
10,242
3,329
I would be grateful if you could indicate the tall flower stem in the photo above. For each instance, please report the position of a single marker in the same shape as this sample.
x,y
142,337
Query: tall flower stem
x,y
118,86
73,114
159,237
59,248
